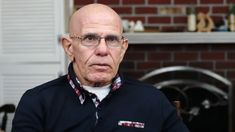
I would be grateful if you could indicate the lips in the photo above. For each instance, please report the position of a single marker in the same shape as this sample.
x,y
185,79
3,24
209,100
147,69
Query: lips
x,y
100,66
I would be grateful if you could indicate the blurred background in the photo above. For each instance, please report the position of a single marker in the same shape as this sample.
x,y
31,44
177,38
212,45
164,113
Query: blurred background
x,y
161,33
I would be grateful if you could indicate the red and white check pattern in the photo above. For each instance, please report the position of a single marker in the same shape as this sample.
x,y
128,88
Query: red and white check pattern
x,y
78,89
131,124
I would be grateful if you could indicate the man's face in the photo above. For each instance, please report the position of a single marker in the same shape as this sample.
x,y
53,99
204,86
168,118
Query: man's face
x,y
97,64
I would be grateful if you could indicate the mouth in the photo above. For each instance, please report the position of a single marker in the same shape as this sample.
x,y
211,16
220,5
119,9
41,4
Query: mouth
x,y
101,67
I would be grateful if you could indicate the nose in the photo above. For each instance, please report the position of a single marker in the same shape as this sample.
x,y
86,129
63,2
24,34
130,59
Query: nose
x,y
101,49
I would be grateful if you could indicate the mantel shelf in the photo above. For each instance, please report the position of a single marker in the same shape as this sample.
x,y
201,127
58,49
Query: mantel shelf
x,y
181,38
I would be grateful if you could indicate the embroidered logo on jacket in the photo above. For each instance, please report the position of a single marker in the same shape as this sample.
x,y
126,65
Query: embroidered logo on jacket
x,y
131,124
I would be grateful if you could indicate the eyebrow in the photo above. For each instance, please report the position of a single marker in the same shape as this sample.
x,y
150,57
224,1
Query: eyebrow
x,y
90,34
95,34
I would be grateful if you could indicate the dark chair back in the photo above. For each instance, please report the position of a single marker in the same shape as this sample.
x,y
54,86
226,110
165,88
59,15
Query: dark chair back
x,y
7,108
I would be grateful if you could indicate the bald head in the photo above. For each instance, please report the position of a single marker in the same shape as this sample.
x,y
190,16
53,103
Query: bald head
x,y
95,63
94,13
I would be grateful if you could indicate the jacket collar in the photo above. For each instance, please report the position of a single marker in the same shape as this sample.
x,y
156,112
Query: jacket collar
x,y
80,91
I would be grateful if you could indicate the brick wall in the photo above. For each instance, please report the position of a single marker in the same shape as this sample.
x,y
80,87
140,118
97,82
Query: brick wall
x,y
141,59
150,12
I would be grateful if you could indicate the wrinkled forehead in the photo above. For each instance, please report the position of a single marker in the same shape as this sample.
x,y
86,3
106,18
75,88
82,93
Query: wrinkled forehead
x,y
95,14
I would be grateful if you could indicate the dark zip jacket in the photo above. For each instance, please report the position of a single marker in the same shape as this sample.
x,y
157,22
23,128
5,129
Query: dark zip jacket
x,y
134,107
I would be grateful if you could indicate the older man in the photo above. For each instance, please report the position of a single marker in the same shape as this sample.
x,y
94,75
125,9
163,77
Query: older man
x,y
94,96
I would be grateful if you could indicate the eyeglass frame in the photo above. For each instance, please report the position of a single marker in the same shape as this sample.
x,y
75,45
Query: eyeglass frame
x,y
82,38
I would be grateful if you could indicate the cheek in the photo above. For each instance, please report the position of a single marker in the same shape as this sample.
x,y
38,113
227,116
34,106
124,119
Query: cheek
x,y
117,58
82,57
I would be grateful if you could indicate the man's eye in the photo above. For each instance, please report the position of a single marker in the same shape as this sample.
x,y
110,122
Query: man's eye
x,y
90,38
112,38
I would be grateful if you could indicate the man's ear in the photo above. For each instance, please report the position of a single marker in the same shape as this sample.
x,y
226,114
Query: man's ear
x,y
68,48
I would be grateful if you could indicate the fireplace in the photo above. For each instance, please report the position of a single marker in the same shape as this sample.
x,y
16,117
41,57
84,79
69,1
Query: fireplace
x,y
203,95
211,51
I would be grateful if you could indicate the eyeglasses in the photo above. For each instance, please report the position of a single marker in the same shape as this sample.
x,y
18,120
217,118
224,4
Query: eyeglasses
x,y
93,40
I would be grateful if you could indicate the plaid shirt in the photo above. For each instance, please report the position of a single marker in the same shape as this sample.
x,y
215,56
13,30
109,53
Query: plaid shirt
x,y
80,91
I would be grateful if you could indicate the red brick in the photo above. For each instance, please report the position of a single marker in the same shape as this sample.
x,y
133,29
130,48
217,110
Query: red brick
x,y
223,47
231,74
127,65
146,10
123,10
220,9
148,65
159,1
174,63
142,48
134,18
197,47
202,9
225,65
231,55
170,47
213,56
158,20
133,1
185,1
108,2
211,1
180,19
217,19
205,65
232,80
159,56
231,1
83,2
135,56
186,56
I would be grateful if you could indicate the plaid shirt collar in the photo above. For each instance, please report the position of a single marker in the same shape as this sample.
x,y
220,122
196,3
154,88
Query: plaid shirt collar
x,y
81,92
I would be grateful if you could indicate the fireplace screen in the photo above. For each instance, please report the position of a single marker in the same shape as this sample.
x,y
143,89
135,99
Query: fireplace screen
x,y
203,96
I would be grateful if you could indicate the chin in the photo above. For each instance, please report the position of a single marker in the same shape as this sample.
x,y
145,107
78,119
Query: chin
x,y
101,78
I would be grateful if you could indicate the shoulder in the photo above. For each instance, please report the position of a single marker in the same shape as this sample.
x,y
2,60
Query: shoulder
x,y
48,92
144,89
142,92
37,102
50,86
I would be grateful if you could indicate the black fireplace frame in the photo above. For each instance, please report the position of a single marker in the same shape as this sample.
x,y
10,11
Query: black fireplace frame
x,y
230,92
